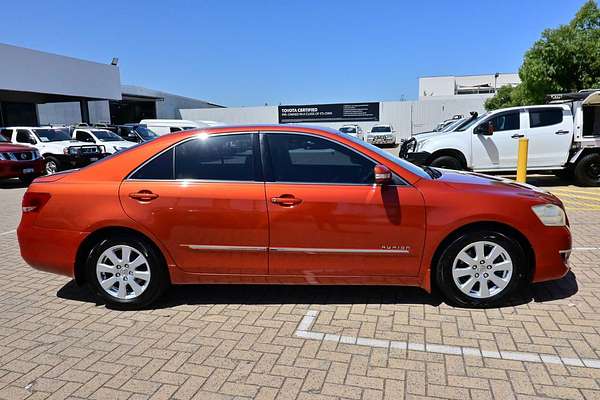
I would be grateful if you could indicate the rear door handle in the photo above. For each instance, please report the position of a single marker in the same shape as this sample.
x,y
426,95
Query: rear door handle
x,y
286,200
517,136
561,132
143,195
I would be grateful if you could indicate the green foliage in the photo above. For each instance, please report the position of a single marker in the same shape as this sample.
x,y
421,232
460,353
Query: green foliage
x,y
565,59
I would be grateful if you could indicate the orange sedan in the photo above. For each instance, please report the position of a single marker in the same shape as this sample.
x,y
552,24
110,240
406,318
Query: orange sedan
x,y
291,205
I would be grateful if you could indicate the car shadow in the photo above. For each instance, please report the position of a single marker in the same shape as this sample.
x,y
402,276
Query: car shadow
x,y
12,184
299,294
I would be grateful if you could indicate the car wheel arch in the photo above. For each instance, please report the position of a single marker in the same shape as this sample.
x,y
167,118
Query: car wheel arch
x,y
104,233
479,226
449,152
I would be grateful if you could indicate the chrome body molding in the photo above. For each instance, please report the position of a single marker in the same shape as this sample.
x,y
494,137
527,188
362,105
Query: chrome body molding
x,y
304,250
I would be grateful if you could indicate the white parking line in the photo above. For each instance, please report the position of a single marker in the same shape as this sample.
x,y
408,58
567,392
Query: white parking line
x,y
8,232
585,248
307,322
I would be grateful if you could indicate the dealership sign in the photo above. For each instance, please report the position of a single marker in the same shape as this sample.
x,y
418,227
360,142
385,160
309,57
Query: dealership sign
x,y
329,112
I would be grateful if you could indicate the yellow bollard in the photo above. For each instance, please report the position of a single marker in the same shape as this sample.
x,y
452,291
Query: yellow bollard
x,y
522,160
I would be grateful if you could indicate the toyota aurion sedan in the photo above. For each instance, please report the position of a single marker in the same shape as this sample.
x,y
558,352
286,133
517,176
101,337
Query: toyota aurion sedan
x,y
288,205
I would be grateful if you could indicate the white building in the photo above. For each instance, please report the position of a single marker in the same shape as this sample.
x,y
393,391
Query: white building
x,y
437,86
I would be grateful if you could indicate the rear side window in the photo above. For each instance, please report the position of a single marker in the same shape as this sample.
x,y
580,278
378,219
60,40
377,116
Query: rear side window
x,y
309,159
506,122
158,168
224,157
545,117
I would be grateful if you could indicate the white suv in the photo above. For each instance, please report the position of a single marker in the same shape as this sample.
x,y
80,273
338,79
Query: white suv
x,y
103,137
353,130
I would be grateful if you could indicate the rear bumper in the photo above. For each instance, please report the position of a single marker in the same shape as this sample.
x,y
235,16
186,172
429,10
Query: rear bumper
x,y
418,158
51,250
17,169
552,250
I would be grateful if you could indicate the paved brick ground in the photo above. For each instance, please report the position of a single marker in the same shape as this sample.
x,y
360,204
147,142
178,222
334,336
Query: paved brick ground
x,y
207,342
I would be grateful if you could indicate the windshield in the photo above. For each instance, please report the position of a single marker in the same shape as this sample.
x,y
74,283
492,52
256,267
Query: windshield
x,y
348,129
106,136
389,156
145,133
52,135
471,123
381,129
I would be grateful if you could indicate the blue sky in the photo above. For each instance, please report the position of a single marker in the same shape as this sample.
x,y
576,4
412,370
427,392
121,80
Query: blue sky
x,y
245,53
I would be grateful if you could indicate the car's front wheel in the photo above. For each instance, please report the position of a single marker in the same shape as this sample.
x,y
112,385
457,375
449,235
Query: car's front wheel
x,y
126,272
52,165
448,162
587,170
481,269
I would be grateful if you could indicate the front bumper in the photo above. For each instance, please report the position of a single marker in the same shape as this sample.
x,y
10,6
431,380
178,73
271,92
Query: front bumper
x,y
76,161
17,169
552,250
418,157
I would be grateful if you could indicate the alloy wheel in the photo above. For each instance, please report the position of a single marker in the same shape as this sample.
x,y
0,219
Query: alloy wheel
x,y
123,272
482,269
51,168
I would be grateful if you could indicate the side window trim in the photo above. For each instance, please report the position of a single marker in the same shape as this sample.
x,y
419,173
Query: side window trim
x,y
259,177
268,168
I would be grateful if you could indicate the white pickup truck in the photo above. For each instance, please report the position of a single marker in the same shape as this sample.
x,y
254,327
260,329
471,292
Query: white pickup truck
x,y
564,138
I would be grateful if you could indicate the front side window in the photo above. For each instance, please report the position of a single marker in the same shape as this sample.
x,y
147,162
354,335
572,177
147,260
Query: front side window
x,y
84,137
506,122
309,159
545,117
222,157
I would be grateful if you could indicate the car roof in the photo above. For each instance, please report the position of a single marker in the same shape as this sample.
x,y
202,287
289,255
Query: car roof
x,y
519,108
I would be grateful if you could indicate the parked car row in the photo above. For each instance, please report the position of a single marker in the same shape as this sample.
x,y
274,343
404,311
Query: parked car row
x,y
564,138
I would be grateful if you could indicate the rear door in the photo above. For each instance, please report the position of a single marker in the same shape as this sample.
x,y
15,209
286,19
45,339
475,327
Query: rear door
x,y
328,218
550,135
204,199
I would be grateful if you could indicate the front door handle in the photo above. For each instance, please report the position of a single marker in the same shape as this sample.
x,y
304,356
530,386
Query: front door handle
x,y
517,136
286,200
143,195
561,132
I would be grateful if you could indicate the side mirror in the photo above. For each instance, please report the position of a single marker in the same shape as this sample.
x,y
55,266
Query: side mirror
x,y
383,175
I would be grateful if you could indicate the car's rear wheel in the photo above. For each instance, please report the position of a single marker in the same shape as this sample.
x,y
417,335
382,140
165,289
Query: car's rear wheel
x,y
447,162
481,269
126,272
587,170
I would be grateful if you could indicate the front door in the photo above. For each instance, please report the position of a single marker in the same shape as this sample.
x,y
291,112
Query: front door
x,y
327,218
204,200
499,150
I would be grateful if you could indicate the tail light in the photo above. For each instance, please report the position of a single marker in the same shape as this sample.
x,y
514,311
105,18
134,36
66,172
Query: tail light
x,y
34,201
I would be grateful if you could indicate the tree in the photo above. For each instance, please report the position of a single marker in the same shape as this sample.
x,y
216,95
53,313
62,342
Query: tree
x,y
564,59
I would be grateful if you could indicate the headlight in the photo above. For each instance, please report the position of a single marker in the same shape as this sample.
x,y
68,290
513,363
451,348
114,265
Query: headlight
x,y
550,214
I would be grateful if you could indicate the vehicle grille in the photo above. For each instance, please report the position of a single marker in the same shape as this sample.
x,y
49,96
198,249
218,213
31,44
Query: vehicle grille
x,y
89,150
19,156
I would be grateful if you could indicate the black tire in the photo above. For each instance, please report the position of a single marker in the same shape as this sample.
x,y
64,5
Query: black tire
x,y
51,165
565,174
159,277
587,170
448,162
445,281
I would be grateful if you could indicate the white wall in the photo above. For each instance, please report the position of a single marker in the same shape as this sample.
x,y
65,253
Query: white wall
x,y
407,117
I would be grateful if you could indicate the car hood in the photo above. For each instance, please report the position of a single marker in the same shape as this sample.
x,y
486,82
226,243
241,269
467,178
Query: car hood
x,y
13,147
427,135
121,143
463,180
